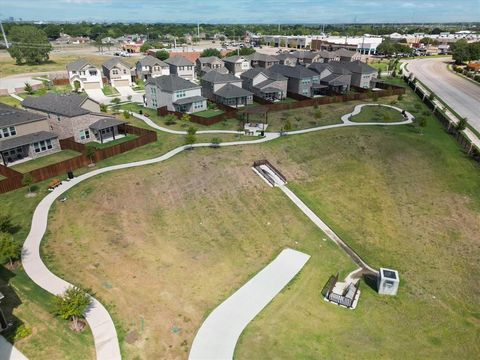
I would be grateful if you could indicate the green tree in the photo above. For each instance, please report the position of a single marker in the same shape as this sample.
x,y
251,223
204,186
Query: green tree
x,y
162,55
460,51
28,88
210,52
242,52
386,47
191,130
90,152
6,224
29,45
116,101
27,180
145,47
72,304
103,107
9,249
190,139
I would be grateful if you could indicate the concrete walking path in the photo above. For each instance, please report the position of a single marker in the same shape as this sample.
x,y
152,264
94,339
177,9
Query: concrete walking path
x,y
9,352
16,97
219,333
98,318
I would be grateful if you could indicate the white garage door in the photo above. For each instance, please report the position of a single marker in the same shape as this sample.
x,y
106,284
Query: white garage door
x,y
118,83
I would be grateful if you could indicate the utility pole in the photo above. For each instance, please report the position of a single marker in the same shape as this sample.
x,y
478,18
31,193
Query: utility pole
x,y
4,36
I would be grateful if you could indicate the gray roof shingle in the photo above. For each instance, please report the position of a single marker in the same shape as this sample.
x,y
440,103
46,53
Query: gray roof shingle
x,y
358,67
179,61
171,83
10,116
62,104
216,77
230,91
150,60
79,64
106,123
23,140
109,64
189,100
272,75
296,72
209,59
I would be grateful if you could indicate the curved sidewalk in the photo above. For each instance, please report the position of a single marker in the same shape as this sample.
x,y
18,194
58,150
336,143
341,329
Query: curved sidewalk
x,y
98,318
219,333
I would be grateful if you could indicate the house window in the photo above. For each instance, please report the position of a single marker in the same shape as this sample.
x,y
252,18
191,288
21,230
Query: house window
x,y
198,105
84,134
41,146
181,94
93,72
124,71
180,68
8,131
115,72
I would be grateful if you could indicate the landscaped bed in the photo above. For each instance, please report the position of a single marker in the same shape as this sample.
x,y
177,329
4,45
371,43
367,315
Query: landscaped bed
x,y
45,161
190,231
378,114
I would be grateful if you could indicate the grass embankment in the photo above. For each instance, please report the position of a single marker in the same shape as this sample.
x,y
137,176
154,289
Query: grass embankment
x,y
109,90
28,305
201,224
45,161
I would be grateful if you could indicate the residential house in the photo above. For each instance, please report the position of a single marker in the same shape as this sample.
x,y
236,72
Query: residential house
x,y
182,67
225,89
74,115
174,92
150,66
307,57
262,60
209,63
237,64
328,56
84,76
118,72
265,84
347,55
287,59
24,135
363,75
301,80
333,75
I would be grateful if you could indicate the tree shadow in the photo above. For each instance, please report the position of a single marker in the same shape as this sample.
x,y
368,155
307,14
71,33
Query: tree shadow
x,y
8,305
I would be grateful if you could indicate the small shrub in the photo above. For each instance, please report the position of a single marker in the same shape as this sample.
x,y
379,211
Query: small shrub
x,y
185,117
462,124
393,102
315,106
211,106
216,142
22,332
431,97
126,114
400,97
191,130
28,88
317,114
375,96
287,126
170,119
103,107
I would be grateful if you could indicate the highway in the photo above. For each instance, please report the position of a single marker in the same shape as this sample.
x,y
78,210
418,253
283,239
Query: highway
x,y
461,95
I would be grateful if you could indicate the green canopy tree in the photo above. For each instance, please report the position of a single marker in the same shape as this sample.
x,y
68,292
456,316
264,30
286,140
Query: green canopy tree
x,y
9,249
72,304
162,55
29,45
210,52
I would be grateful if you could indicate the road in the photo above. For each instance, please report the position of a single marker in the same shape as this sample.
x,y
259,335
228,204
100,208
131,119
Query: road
x,y
461,95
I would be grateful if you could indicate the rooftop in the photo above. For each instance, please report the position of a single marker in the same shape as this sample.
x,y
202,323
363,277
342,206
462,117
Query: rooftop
x,y
150,60
110,64
179,61
296,72
23,140
171,83
10,116
62,104
230,91
216,77
79,64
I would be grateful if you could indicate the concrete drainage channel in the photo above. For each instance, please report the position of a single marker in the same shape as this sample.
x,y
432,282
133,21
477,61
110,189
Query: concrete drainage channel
x,y
344,293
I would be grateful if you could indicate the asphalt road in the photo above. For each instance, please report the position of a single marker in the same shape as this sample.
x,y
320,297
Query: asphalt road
x,y
461,95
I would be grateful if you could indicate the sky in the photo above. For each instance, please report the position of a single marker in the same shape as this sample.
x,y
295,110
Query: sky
x,y
244,11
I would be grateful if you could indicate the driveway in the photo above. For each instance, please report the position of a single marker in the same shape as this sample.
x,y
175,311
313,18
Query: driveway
x,y
9,352
126,91
460,94
98,96
219,333
12,82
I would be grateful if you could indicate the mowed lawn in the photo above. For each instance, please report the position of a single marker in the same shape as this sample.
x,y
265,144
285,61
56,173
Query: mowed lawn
x,y
378,114
178,237
45,161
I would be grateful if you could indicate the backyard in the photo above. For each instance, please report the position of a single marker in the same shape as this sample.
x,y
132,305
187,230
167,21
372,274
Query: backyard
x,y
45,161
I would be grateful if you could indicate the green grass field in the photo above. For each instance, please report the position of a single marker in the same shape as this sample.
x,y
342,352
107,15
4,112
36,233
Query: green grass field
x,y
209,113
202,223
110,90
378,114
45,161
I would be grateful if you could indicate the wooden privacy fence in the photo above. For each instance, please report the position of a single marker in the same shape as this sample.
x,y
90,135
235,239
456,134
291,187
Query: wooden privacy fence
x,y
14,178
228,113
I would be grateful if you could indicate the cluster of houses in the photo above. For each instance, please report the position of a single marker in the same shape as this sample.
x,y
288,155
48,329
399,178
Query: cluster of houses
x,y
233,81
35,130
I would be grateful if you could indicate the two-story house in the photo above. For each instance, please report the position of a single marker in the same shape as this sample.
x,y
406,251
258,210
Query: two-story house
x,y
334,75
174,92
262,60
237,64
24,135
225,89
84,76
182,67
345,55
209,63
301,80
75,115
287,59
266,84
307,57
150,66
363,75
118,72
